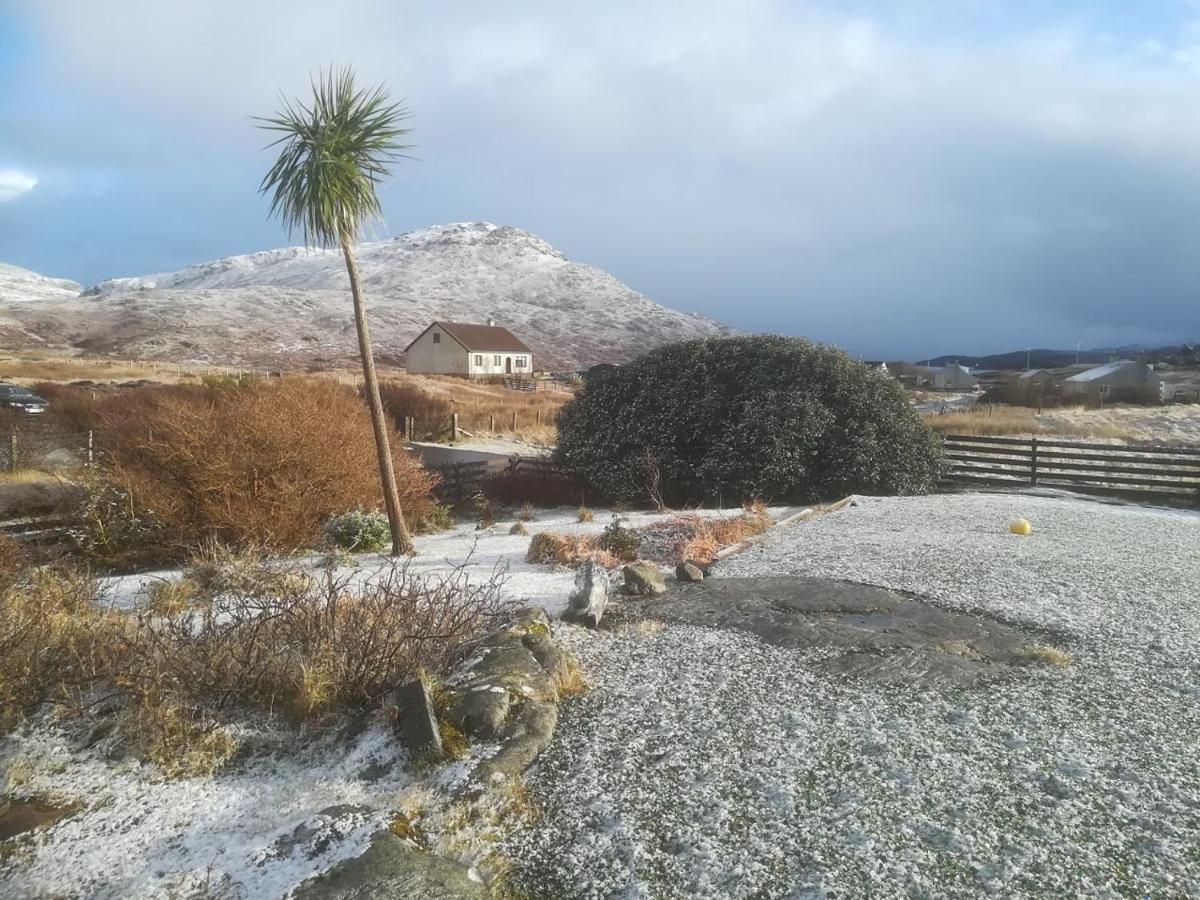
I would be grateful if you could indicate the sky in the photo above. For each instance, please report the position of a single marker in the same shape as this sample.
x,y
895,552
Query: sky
x,y
901,178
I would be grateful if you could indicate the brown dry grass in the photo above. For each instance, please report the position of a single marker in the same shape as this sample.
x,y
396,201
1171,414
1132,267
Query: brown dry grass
x,y
480,406
552,548
33,367
998,421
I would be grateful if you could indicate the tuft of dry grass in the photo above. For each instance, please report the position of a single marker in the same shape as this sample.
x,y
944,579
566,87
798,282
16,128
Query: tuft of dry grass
x,y
171,596
527,513
55,640
583,514
552,548
1043,653
180,740
572,683
518,528
699,539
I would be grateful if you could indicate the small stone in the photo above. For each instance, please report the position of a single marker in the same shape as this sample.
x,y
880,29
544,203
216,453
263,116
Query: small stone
x,y
644,579
588,600
411,710
686,571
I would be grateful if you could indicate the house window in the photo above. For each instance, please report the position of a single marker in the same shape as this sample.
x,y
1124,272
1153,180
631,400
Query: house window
x,y
437,338
479,359
521,362
1104,389
496,360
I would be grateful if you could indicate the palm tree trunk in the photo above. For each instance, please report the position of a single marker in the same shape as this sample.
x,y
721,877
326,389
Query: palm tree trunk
x,y
401,541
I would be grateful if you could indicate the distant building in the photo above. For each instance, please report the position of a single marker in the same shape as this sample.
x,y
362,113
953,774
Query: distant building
x,y
458,348
953,377
1124,379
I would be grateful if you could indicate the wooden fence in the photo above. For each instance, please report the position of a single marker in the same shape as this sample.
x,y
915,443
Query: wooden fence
x,y
37,447
459,482
1136,471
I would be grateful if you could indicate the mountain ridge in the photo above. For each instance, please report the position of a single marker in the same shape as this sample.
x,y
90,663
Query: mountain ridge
x,y
289,307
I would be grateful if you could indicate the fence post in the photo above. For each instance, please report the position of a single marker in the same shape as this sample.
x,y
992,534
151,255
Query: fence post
x,y
514,420
12,452
453,427
1033,461
539,417
409,428
492,423
91,448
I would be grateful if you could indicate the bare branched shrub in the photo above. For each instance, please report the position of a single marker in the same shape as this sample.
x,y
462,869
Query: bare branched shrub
x,y
262,464
309,648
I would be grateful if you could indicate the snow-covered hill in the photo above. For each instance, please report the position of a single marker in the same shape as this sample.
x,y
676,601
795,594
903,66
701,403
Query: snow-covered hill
x,y
292,307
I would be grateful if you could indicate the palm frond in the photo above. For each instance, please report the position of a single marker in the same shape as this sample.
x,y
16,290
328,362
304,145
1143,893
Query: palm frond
x,y
333,152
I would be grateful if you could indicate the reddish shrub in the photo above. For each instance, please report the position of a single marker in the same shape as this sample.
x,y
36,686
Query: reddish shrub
x,y
265,464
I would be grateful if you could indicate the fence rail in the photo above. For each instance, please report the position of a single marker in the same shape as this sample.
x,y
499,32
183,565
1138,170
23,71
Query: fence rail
x,y
40,446
459,482
1138,471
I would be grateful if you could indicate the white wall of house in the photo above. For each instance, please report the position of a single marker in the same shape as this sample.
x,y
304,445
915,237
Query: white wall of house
x,y
436,353
1132,375
953,378
499,362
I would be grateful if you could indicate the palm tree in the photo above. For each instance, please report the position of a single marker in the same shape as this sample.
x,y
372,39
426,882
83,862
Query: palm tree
x,y
333,153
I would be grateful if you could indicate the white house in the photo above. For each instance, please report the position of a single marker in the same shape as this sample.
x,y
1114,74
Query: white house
x,y
458,348
1124,379
954,377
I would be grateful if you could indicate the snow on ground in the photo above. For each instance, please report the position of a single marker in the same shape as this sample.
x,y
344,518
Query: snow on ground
x,y
148,837
141,835
709,764
480,551
1175,424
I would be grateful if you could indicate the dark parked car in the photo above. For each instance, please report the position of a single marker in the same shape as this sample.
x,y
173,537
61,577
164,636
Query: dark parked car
x,y
21,399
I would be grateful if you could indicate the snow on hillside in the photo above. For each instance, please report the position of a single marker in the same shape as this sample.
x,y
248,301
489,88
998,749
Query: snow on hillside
x,y
19,285
291,306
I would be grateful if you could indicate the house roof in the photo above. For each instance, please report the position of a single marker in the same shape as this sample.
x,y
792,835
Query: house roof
x,y
1031,373
950,367
1101,371
478,337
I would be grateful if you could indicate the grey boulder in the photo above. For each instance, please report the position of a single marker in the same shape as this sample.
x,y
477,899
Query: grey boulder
x,y
644,579
590,597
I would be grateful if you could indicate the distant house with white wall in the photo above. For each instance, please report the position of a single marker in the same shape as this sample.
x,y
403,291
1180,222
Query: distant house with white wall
x,y
1125,379
953,377
459,348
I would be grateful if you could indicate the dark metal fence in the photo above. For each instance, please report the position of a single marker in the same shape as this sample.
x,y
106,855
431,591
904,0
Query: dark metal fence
x,y
1135,471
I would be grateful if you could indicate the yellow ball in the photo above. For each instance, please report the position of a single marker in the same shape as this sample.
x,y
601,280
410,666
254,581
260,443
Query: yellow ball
x,y
1020,526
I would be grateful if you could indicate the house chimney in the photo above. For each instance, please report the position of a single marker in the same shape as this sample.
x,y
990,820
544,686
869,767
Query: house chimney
x,y
491,322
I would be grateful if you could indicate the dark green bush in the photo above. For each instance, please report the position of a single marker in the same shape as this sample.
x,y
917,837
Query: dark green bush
x,y
620,542
740,418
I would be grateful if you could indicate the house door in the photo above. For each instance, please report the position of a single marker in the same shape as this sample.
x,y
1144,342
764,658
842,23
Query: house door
x,y
508,365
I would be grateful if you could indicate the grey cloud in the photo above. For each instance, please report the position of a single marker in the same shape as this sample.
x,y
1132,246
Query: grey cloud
x,y
775,165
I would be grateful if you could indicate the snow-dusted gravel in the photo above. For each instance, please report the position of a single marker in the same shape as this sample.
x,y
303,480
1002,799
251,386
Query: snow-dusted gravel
x,y
710,764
